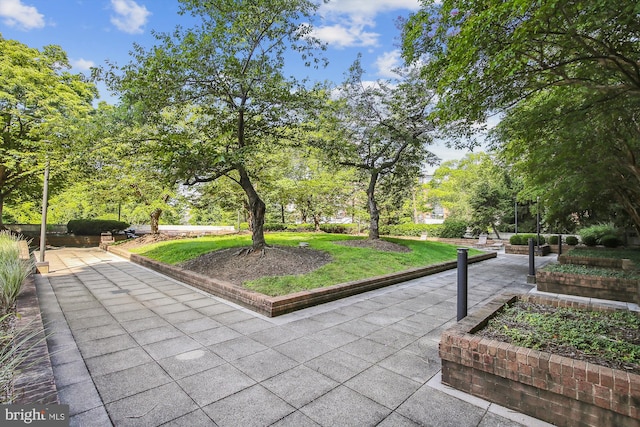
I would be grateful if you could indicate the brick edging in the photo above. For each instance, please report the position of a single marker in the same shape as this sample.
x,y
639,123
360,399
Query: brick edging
x,y
276,306
553,388
35,383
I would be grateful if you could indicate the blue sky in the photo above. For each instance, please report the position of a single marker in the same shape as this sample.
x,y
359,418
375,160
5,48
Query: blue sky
x,y
94,31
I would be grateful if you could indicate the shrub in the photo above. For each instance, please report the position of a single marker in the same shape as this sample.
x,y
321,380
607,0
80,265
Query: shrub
x,y
274,226
94,227
453,229
523,239
553,240
593,235
339,228
571,240
589,240
411,229
610,241
13,270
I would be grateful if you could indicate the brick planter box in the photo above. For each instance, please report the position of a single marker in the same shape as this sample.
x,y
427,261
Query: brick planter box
x,y
612,288
276,306
556,389
623,264
524,250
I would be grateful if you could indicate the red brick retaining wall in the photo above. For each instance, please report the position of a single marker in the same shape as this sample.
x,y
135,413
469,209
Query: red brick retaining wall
x,y
612,288
623,264
556,389
276,306
524,250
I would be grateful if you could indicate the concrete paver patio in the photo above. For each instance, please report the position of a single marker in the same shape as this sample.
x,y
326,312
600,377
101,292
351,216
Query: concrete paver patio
x,y
132,347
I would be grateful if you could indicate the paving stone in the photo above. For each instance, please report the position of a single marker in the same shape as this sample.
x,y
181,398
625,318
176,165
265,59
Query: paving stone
x,y
392,338
98,332
183,316
70,373
171,347
344,407
214,384
275,336
253,406
125,316
368,350
413,366
152,322
192,419
359,327
335,337
80,397
338,365
197,325
117,385
300,385
148,336
383,386
230,317
265,364
303,349
250,326
117,361
190,362
397,420
106,345
432,407
212,337
93,417
296,419
236,348
152,407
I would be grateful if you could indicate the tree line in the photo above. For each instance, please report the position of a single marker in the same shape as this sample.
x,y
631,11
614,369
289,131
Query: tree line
x,y
209,119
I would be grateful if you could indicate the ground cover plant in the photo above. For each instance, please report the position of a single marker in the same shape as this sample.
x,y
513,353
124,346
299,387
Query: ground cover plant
x,y
335,258
607,338
592,271
631,254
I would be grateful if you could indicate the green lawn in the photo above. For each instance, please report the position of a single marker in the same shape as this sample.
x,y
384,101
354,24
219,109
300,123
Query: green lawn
x,y
348,263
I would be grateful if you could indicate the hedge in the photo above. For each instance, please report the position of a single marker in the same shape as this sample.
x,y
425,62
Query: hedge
x,y
523,239
411,229
95,227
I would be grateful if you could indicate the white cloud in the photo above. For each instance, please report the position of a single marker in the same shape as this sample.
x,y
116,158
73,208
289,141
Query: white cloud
x,y
16,14
341,36
82,64
349,22
387,62
367,7
130,16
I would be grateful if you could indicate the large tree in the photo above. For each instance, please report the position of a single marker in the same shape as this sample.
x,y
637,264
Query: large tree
x,y
382,129
41,108
226,79
575,63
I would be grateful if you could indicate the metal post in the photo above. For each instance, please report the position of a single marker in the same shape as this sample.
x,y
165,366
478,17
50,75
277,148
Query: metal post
x,y
531,278
538,220
462,283
43,266
559,244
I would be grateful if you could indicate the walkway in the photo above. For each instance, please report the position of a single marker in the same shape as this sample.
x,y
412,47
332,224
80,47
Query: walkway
x,y
132,347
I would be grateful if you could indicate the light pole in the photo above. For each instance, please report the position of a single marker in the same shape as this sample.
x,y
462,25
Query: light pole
x,y
538,219
43,266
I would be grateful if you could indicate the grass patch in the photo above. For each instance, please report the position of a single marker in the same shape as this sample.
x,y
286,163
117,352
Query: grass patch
x,y
632,254
348,264
591,271
609,338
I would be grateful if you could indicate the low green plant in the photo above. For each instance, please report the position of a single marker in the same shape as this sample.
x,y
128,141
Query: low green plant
x,y
610,241
523,239
553,240
601,334
571,240
591,271
13,270
412,229
94,227
453,229
592,236
16,345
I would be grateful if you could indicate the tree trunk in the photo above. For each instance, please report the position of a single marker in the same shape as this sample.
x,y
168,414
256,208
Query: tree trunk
x,y
374,232
2,227
316,222
257,209
155,220
495,230
282,213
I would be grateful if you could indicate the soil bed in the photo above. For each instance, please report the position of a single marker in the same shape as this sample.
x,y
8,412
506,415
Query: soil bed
x,y
227,265
610,339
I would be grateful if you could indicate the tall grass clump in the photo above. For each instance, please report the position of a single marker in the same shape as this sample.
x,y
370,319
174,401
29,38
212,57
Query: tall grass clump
x,y
13,270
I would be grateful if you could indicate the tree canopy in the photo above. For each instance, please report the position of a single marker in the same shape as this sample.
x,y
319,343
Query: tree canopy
x,y
564,75
41,108
224,81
